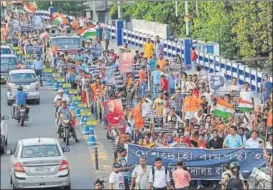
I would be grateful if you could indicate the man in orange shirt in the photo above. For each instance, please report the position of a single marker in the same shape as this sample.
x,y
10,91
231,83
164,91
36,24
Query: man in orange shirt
x,y
143,80
161,62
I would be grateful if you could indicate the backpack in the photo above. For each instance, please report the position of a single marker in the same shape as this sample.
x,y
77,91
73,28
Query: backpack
x,y
235,183
153,172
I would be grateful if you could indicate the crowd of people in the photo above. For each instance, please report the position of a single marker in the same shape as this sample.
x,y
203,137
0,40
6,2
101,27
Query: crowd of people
x,y
163,106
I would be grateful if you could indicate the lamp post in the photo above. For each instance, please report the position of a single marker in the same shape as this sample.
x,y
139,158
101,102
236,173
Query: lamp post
x,y
187,18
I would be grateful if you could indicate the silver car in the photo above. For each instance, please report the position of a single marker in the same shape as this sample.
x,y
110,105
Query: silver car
x,y
26,78
39,163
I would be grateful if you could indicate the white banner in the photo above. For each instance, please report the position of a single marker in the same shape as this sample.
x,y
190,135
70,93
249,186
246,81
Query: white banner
x,y
151,28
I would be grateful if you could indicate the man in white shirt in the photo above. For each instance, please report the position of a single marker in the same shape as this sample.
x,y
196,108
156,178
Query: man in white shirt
x,y
116,180
159,177
254,141
140,175
234,88
61,96
147,105
246,94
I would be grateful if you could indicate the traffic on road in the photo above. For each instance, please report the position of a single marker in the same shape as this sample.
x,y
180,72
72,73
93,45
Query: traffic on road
x,y
65,88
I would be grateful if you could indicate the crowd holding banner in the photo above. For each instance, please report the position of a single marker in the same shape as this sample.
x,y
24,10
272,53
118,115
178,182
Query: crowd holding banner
x,y
153,107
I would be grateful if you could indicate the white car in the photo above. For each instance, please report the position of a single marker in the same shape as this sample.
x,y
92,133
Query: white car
x,y
39,163
3,134
26,78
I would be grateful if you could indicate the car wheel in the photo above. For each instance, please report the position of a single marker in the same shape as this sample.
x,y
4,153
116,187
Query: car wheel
x,y
38,101
9,103
2,149
67,187
6,141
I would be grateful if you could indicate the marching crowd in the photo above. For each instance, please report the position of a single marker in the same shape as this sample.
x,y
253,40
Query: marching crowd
x,y
163,106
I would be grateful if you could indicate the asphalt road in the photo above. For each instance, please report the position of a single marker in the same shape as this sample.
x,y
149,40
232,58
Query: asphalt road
x,y
42,124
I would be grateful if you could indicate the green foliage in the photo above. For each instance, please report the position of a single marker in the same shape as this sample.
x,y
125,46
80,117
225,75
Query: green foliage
x,y
71,8
243,29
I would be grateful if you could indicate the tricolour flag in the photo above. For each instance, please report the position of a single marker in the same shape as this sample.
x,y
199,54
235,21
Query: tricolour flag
x,y
245,106
58,20
30,8
90,32
223,109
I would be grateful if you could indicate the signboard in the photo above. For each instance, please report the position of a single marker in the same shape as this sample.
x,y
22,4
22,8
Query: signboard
x,y
33,50
126,61
151,28
26,28
203,164
158,122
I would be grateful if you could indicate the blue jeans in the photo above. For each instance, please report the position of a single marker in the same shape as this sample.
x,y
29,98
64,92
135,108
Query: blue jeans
x,y
172,91
143,89
40,73
155,89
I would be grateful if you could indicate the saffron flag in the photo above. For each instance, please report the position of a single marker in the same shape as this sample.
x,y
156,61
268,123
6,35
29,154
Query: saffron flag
x,y
30,8
223,109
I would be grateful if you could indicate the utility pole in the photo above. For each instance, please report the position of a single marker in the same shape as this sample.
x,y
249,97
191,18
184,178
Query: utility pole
x,y
176,8
94,11
187,18
119,11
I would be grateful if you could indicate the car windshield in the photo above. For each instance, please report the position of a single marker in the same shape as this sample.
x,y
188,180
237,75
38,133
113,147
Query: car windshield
x,y
66,43
8,60
22,78
5,51
35,151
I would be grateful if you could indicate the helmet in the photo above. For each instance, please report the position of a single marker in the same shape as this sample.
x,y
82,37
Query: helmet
x,y
233,165
61,90
20,88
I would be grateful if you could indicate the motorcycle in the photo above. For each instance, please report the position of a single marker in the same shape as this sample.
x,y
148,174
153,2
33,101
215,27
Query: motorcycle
x,y
65,132
21,114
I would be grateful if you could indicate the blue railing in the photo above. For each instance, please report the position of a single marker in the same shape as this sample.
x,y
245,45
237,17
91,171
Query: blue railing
x,y
207,61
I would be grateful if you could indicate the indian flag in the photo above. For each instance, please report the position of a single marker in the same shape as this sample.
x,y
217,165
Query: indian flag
x,y
58,20
223,109
30,8
90,32
245,106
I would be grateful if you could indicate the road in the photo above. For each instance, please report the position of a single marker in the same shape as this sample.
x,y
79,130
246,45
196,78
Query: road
x,y
42,124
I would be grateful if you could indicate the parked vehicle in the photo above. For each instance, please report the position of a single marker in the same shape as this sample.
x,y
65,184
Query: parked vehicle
x,y
26,78
3,133
8,63
39,163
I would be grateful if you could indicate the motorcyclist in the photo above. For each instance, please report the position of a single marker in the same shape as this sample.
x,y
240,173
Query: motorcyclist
x,y
232,172
21,98
61,96
65,113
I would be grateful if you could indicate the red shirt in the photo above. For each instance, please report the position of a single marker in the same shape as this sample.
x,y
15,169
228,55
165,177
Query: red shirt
x,y
164,84
193,55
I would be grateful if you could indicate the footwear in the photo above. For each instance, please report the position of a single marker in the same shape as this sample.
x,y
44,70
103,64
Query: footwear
x,y
76,140
198,187
214,186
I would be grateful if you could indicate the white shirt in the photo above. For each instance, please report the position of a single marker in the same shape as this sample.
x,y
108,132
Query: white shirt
x,y
160,179
146,107
251,143
64,98
142,177
117,180
246,95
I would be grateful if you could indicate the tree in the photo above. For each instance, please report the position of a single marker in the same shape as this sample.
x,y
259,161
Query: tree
x,y
71,8
242,29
